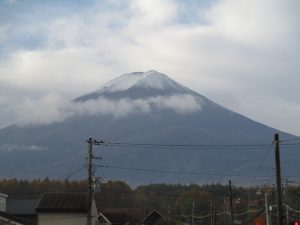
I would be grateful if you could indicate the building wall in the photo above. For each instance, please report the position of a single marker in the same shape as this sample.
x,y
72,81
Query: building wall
x,y
67,218
62,218
3,199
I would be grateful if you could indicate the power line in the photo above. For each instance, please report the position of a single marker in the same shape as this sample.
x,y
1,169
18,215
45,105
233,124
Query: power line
x,y
190,172
293,139
261,164
193,146
179,172
243,213
292,144
225,212
74,171
184,145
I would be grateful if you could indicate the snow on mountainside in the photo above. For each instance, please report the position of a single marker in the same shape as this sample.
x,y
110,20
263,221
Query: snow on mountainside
x,y
150,79
138,85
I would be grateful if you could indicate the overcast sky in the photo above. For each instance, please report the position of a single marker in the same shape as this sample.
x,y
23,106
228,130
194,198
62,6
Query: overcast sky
x,y
242,54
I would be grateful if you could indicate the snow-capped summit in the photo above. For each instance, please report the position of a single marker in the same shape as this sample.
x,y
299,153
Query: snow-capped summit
x,y
138,85
149,79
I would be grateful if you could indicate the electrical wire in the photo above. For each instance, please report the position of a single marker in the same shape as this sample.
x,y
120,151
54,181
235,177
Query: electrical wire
x,y
185,145
74,171
291,209
261,164
224,212
243,213
180,172
293,139
193,147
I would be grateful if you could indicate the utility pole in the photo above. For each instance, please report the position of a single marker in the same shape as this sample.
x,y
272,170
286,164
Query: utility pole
x,y
267,208
248,216
193,212
278,180
224,211
90,180
91,196
231,205
212,210
287,215
287,201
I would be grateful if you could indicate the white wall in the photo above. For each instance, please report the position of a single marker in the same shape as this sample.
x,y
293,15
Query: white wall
x,y
62,218
3,198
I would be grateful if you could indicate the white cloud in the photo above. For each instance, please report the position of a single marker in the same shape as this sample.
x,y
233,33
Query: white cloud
x,y
11,2
154,14
53,108
46,110
3,100
68,71
244,47
13,148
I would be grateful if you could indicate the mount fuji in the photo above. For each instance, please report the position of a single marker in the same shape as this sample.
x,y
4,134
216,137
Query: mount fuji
x,y
156,130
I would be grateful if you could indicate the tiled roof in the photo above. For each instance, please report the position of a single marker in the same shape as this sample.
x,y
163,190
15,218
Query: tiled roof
x,y
66,202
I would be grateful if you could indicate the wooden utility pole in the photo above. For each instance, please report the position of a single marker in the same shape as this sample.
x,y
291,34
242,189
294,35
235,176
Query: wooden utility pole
x,y
287,201
278,180
90,180
90,158
193,212
224,210
231,205
267,209
212,209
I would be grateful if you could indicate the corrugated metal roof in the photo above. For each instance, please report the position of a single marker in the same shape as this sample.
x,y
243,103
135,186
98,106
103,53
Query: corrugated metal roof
x,y
66,202
22,204
14,219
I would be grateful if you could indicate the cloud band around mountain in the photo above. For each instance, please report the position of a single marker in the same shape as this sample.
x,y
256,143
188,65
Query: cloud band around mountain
x,y
53,108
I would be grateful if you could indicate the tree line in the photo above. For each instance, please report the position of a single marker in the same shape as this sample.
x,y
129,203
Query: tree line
x,y
173,200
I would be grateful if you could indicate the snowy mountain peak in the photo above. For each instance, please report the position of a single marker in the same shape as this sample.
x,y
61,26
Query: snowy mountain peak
x,y
139,85
149,80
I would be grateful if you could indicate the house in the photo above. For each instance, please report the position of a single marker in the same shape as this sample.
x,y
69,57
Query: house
x,y
8,219
23,205
131,216
3,200
64,209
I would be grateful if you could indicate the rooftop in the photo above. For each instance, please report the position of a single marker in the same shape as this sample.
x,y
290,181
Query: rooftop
x,y
63,202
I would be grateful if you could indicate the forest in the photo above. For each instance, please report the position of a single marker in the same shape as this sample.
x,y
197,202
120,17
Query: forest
x,y
172,200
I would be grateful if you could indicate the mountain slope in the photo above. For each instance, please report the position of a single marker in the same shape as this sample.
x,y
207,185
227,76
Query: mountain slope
x,y
153,109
